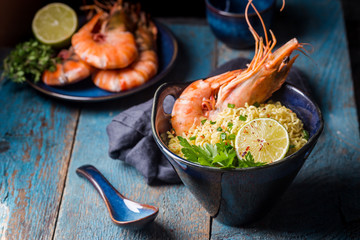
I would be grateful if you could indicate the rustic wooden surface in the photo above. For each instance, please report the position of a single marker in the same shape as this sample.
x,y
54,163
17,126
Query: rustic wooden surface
x,y
43,141
352,23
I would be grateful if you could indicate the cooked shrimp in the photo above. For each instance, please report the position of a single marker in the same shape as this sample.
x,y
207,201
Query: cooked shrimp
x,y
265,74
139,72
71,69
106,41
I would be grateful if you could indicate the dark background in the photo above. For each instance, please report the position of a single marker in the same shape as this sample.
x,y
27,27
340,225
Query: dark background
x,y
16,17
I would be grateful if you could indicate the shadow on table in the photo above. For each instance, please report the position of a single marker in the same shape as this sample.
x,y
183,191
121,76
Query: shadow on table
x,y
317,204
154,230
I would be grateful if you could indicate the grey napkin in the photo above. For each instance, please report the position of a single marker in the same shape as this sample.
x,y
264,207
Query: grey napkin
x,y
131,140
130,136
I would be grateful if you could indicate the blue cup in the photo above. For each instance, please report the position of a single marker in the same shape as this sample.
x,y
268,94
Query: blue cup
x,y
226,19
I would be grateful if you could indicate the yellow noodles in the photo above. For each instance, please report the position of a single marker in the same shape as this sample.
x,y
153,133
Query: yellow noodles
x,y
229,122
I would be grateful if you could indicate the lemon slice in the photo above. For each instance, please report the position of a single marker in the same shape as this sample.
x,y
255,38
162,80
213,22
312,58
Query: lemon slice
x,y
54,24
266,139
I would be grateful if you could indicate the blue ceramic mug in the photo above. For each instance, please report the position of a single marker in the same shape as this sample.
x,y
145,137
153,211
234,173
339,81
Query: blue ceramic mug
x,y
226,19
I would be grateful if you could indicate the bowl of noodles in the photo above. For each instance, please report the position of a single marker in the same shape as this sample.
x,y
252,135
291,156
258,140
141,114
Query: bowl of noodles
x,y
243,190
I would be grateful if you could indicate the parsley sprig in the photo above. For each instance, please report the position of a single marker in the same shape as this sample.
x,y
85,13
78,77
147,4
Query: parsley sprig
x,y
220,155
306,135
29,60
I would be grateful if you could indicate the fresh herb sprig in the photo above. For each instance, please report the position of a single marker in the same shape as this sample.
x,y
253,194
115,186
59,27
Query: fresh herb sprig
x,y
29,60
306,135
220,155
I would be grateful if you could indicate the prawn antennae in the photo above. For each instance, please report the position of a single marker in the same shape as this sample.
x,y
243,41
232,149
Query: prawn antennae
x,y
306,52
252,30
283,6
262,23
307,44
261,51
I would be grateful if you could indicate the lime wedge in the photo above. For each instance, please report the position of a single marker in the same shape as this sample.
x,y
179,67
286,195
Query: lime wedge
x,y
266,139
54,24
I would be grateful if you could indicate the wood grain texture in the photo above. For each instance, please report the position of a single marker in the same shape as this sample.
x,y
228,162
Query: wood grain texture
x,y
197,50
83,214
352,22
324,201
36,136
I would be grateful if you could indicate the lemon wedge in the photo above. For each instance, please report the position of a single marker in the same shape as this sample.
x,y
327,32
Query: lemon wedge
x,y
54,24
266,139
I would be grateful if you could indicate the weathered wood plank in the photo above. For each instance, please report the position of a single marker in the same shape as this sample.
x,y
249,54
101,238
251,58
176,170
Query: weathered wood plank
x,y
36,136
83,214
196,50
324,200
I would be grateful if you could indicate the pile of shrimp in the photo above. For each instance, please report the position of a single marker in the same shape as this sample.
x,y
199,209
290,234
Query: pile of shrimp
x,y
116,47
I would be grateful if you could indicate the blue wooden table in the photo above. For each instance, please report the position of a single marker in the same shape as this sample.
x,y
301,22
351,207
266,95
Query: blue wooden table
x,y
44,140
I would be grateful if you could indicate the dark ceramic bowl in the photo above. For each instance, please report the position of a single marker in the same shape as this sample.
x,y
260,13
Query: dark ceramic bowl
x,y
226,19
239,196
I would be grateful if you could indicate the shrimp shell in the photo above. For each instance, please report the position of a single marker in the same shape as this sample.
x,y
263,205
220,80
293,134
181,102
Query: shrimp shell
x,y
71,70
106,50
135,75
139,72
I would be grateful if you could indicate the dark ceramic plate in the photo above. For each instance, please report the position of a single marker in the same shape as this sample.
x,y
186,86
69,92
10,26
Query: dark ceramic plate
x,y
86,91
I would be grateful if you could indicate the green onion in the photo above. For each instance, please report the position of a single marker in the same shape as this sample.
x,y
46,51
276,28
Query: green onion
x,y
219,129
243,118
230,124
203,121
223,136
306,134
212,123
256,104
231,137
231,105
192,138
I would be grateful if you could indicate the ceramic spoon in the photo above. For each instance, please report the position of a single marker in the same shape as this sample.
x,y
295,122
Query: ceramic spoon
x,y
124,212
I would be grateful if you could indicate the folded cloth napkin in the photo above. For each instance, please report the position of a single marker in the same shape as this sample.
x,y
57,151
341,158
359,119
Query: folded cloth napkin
x,y
131,140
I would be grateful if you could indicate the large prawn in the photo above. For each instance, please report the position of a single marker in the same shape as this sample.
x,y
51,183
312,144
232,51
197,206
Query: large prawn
x,y
141,70
265,74
107,41
71,69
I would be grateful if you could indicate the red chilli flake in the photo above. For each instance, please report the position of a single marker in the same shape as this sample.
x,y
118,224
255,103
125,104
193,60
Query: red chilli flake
x,y
261,145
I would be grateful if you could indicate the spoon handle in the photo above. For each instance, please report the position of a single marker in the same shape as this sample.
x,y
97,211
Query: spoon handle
x,y
102,185
123,211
